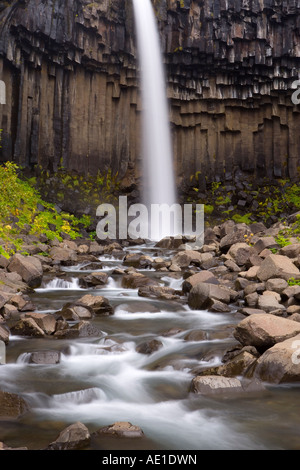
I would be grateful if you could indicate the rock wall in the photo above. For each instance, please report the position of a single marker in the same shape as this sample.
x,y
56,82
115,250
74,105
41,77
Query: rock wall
x,y
72,85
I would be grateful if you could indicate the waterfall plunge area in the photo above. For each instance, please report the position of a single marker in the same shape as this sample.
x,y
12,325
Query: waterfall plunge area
x,y
101,380
158,171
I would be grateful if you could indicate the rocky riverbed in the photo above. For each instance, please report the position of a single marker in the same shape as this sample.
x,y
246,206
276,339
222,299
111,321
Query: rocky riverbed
x,y
241,281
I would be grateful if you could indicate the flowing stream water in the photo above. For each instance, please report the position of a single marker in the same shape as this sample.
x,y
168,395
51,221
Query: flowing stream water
x,y
101,380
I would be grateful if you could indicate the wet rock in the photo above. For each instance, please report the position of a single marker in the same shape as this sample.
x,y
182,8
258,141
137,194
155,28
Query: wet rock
x,y
45,357
277,266
28,267
149,347
203,294
122,429
158,292
27,327
82,329
22,302
75,436
12,405
196,335
138,307
99,304
4,298
238,365
280,363
5,447
219,307
46,322
215,384
137,260
96,249
94,279
203,276
137,280
263,331
184,259
75,312
4,334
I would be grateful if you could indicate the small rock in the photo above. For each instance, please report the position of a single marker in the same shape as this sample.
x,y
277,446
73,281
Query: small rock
x,y
214,384
148,347
122,429
75,436
44,357
12,405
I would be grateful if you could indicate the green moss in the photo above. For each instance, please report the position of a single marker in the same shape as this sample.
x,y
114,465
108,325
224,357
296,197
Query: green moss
x,y
19,202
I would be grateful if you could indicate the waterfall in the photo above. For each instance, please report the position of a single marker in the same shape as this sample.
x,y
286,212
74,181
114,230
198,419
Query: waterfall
x,y
158,172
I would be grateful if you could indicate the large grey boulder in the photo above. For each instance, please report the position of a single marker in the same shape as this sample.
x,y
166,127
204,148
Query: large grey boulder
x,y
277,266
281,363
75,436
202,296
28,267
265,330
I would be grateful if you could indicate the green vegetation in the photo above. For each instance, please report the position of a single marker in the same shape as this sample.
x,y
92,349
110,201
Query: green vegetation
x,y
23,210
293,282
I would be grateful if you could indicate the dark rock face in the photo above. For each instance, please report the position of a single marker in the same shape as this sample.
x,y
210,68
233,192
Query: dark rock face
x,y
71,79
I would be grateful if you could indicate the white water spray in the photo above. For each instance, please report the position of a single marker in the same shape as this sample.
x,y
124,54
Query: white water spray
x,y
158,171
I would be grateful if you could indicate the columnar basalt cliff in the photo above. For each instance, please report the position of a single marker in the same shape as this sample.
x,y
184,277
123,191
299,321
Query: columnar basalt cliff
x,y
72,85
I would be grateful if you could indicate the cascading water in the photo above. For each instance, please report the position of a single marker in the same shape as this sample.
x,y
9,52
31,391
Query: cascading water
x,y
159,181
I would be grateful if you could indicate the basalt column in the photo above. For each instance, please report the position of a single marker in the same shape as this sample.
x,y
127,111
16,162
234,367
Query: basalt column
x,y
72,96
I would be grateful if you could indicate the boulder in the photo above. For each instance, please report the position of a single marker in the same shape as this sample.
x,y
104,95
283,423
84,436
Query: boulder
x,y
94,279
277,266
28,267
238,365
99,304
202,276
265,243
137,260
12,405
82,329
75,312
269,302
158,292
136,280
45,321
276,285
63,254
75,436
292,251
203,294
149,347
241,253
22,302
27,327
45,357
215,384
265,330
183,259
4,334
237,235
122,429
281,363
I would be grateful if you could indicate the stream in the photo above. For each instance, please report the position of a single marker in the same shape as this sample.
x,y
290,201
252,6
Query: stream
x,y
101,380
